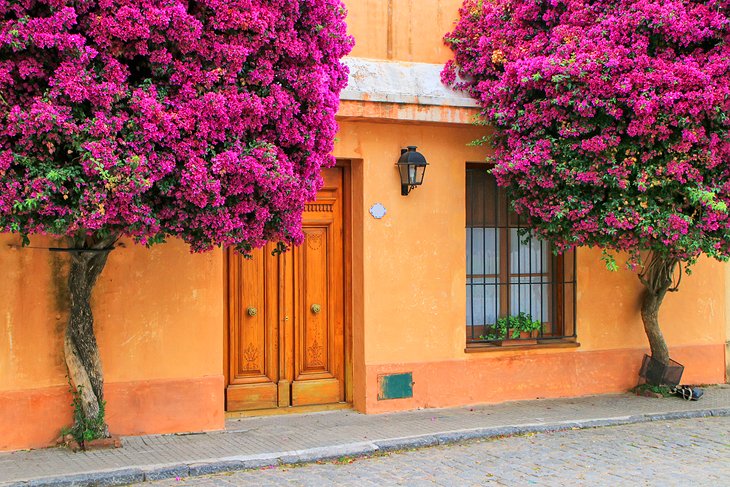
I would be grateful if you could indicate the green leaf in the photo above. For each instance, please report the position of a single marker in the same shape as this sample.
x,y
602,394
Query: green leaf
x,y
609,260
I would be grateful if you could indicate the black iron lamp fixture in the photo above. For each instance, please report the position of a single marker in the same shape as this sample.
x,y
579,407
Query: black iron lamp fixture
x,y
412,167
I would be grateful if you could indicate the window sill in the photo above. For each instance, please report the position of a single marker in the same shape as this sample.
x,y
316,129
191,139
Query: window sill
x,y
489,347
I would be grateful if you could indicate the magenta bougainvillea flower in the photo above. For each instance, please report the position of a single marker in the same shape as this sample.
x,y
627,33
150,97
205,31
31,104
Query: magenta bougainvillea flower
x,y
203,119
611,118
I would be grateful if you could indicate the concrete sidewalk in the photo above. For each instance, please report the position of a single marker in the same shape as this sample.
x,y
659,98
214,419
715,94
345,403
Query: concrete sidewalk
x,y
272,440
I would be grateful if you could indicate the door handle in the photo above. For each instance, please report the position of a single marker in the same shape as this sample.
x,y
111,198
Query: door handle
x,y
252,311
316,308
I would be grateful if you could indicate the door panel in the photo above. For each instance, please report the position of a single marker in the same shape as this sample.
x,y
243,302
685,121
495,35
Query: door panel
x,y
319,300
311,392
292,354
254,357
313,313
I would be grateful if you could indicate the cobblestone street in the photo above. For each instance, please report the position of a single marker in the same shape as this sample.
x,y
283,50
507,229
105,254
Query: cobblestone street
x,y
684,452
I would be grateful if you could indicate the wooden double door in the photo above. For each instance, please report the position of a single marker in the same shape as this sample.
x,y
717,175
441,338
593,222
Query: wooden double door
x,y
286,332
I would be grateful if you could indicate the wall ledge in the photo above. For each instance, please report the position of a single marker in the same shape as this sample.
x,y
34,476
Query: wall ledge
x,y
377,80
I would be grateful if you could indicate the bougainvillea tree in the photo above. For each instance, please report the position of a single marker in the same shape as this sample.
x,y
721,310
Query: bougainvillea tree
x,y
206,120
611,123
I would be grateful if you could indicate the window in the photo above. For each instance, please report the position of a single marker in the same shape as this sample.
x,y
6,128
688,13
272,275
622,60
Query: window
x,y
507,274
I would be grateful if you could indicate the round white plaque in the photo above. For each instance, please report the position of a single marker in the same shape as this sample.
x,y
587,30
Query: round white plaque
x,y
378,211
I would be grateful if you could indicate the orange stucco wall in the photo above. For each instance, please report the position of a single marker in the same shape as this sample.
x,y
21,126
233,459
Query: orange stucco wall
x,y
409,267
404,30
159,315
413,301
534,374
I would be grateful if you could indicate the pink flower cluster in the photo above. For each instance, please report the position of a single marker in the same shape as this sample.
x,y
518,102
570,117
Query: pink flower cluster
x,y
611,117
208,120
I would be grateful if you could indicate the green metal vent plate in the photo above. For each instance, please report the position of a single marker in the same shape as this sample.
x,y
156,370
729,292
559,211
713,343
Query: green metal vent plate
x,y
395,386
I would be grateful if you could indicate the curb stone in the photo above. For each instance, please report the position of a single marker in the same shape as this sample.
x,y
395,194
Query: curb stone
x,y
328,453
110,477
198,469
164,473
409,442
125,476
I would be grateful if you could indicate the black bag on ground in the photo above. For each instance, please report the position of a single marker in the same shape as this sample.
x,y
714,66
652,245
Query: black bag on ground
x,y
687,392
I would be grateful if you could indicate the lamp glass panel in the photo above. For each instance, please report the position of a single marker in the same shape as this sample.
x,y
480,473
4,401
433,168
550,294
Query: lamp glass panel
x,y
403,169
412,175
420,171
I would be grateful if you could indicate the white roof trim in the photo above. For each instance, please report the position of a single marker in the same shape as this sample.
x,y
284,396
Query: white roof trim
x,y
382,81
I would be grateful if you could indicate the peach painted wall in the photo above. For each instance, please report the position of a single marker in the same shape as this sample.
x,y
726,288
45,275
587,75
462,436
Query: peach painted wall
x,y
413,292
406,30
412,254
159,315
410,307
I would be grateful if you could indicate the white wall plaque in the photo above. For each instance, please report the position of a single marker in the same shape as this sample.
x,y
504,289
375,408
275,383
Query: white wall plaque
x,y
378,211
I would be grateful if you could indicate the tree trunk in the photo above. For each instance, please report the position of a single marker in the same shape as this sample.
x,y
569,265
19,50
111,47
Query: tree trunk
x,y
657,277
80,347
650,317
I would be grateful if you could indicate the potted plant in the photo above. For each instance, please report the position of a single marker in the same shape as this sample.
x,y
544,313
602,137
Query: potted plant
x,y
496,332
520,329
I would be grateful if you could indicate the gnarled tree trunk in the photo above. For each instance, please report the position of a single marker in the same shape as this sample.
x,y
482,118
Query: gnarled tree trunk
x,y
657,277
80,348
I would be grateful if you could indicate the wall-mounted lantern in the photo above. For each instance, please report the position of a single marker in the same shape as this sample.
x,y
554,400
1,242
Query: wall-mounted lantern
x,y
412,167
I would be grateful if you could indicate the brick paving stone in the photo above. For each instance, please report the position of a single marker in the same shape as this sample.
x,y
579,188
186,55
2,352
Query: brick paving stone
x,y
272,437
680,452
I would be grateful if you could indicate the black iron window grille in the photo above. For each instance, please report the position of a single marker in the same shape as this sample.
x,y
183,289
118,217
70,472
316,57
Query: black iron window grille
x,y
513,283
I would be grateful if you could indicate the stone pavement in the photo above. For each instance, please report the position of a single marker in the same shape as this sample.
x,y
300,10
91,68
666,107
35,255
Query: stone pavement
x,y
682,452
274,440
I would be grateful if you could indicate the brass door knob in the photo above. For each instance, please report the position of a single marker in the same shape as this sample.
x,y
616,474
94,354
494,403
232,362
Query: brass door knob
x,y
316,308
252,311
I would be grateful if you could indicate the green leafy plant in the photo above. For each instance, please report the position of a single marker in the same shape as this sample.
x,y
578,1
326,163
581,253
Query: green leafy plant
x,y
84,428
665,391
496,333
512,325
521,322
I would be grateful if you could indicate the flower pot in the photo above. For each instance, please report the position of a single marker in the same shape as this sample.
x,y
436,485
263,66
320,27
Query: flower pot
x,y
526,338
